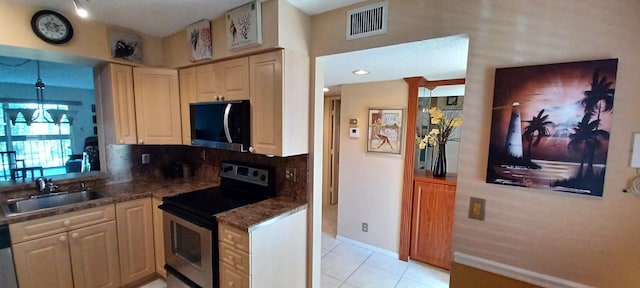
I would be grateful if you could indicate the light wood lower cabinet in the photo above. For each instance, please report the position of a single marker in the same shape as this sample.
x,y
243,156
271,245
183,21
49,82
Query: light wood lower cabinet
x,y
158,236
272,256
77,249
432,221
135,239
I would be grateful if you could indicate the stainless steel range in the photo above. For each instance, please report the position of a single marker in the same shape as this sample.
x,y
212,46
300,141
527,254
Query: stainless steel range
x,y
190,227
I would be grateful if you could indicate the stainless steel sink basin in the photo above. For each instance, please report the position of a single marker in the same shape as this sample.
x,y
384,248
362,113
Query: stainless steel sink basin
x,y
52,200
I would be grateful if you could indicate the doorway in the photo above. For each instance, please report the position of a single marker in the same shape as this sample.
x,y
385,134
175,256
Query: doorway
x,y
331,164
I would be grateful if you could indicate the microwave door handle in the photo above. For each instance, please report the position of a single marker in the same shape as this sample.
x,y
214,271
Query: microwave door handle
x,y
227,110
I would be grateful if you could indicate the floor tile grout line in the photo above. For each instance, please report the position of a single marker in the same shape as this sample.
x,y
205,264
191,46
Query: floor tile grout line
x,y
354,271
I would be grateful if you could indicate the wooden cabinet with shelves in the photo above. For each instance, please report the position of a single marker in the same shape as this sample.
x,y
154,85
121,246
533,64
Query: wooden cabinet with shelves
x,y
279,95
135,239
139,105
77,249
432,221
223,81
247,258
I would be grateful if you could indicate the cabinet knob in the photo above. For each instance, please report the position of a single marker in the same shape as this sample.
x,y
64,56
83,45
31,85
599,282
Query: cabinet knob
x,y
230,258
62,238
121,141
66,223
251,149
74,235
231,284
140,141
229,237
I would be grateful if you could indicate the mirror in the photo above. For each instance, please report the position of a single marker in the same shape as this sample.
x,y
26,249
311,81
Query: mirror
x,y
449,99
48,122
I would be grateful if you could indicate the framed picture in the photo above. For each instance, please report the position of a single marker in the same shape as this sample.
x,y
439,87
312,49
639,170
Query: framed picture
x,y
550,126
199,39
125,45
385,130
452,100
244,26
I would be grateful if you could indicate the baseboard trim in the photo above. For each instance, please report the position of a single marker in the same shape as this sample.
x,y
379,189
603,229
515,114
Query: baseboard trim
x,y
513,272
368,246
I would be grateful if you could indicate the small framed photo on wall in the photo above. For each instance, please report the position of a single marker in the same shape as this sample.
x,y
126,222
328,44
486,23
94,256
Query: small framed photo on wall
x,y
125,45
385,130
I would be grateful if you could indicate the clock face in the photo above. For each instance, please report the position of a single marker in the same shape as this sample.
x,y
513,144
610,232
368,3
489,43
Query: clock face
x,y
51,27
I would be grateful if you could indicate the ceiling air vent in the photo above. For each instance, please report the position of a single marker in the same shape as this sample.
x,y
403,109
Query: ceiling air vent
x,y
367,21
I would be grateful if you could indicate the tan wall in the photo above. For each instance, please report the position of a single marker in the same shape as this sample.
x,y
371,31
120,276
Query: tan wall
x,y
369,180
90,43
583,239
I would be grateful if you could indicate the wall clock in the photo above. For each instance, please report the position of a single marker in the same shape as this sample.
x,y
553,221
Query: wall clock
x,y
51,27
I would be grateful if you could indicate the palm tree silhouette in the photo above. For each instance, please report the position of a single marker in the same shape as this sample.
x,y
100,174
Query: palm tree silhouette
x,y
587,138
601,91
537,127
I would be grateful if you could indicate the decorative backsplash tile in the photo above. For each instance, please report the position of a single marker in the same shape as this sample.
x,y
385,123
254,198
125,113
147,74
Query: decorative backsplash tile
x,y
125,164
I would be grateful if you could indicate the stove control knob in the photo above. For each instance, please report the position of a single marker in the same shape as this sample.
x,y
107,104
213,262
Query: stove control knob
x,y
263,177
255,173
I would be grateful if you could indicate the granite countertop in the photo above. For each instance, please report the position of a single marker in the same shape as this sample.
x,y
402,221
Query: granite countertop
x,y
248,218
255,216
121,192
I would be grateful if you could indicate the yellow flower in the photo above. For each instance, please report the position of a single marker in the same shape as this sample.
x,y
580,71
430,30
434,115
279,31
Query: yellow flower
x,y
435,113
456,122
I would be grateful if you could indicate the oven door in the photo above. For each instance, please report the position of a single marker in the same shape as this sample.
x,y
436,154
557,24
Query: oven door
x,y
188,249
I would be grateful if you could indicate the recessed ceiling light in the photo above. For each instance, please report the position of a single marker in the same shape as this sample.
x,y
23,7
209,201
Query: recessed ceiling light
x,y
325,89
360,72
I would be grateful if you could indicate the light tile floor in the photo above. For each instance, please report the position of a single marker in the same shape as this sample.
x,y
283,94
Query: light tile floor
x,y
345,265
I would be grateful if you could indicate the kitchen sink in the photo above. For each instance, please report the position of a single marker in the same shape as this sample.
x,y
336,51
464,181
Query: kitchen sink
x,y
52,200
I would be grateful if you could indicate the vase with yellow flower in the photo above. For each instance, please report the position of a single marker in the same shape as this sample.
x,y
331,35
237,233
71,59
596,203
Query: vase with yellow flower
x,y
443,123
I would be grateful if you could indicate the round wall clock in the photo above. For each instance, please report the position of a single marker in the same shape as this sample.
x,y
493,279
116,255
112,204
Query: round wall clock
x,y
51,27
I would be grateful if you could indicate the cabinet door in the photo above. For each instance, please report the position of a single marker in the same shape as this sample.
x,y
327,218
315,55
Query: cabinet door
x,y
116,84
266,102
94,256
231,278
157,99
432,223
135,239
207,83
234,79
188,95
158,237
43,262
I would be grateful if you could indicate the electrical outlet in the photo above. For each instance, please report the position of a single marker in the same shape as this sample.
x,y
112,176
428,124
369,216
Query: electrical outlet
x,y
476,208
146,158
290,174
365,227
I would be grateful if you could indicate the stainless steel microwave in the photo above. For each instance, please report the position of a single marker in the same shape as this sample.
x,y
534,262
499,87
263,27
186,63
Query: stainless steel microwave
x,y
222,125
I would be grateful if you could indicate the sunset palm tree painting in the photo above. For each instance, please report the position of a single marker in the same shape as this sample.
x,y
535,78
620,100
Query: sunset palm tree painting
x,y
550,126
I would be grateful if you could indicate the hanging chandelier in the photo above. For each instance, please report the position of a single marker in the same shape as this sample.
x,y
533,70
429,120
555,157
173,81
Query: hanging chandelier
x,y
39,114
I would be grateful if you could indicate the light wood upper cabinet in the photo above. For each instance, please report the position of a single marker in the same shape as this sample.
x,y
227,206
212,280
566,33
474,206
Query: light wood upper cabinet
x,y
223,81
188,95
157,97
279,95
432,221
135,239
117,102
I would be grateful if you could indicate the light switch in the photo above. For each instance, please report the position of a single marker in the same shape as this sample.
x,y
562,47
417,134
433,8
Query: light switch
x,y
354,132
476,208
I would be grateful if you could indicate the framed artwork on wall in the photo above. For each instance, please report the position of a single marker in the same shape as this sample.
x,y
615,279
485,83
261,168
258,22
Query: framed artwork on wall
x,y
125,45
244,26
385,130
550,126
199,38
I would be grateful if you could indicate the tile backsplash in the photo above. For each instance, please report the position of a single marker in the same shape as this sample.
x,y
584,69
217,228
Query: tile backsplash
x,y
125,164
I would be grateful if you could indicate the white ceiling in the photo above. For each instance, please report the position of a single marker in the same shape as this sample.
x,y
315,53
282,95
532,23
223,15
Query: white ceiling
x,y
164,17
435,59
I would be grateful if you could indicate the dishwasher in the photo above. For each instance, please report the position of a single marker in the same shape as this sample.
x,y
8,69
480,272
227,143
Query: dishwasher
x,y
8,272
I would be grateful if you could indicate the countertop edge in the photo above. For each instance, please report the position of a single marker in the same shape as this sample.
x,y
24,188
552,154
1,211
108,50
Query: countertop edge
x,y
258,215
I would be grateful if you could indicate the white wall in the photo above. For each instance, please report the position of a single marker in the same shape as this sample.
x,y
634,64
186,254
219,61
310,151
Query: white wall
x,y
370,183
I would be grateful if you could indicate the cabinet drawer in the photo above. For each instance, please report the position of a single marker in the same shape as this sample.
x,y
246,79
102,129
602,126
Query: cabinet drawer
x,y
234,257
235,237
230,278
46,226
